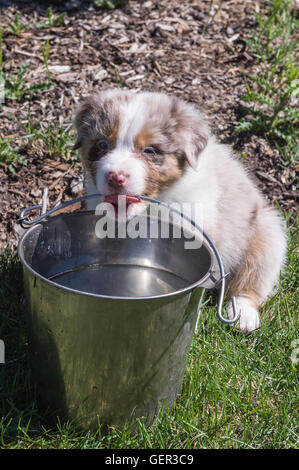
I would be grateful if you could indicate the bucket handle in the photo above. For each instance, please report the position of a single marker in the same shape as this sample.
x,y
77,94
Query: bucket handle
x,y
23,220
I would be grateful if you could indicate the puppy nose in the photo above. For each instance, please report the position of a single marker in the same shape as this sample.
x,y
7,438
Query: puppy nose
x,y
115,179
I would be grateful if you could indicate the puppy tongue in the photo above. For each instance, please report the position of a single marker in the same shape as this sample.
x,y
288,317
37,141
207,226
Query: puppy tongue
x,y
113,199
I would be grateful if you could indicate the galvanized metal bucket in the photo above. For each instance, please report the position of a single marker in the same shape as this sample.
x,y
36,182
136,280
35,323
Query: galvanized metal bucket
x,y
110,320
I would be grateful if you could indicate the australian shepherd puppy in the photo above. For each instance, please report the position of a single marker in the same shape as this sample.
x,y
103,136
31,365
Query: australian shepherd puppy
x,y
155,145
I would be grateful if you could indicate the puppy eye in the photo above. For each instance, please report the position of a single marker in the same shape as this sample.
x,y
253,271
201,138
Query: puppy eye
x,y
98,150
149,151
102,145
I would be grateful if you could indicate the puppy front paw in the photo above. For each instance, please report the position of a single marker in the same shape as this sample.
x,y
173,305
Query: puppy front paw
x,y
249,318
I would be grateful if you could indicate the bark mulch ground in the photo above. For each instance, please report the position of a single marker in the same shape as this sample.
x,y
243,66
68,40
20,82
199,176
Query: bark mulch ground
x,y
172,46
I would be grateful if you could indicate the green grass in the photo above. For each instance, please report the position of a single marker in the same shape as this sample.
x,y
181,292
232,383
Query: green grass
x,y
54,141
15,87
239,391
109,4
272,94
16,27
53,20
10,155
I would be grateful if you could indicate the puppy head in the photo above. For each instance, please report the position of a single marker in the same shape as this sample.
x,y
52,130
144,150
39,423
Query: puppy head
x,y
138,143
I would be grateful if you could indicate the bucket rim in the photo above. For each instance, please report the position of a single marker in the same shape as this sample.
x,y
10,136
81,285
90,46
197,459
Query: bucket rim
x,y
184,290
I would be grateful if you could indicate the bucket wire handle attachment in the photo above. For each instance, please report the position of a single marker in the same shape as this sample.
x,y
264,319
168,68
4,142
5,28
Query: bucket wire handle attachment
x,y
27,223
24,221
222,287
44,201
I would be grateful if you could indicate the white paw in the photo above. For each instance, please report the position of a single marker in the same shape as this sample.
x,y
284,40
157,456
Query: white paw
x,y
249,318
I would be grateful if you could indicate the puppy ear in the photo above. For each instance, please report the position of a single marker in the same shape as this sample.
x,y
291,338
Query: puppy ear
x,y
84,120
78,143
195,143
192,130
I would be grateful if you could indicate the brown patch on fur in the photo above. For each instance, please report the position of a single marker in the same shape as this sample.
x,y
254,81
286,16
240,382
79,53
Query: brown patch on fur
x,y
165,166
248,277
152,185
170,172
161,177
143,139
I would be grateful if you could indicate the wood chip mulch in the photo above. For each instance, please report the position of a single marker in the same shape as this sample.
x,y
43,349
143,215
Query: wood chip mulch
x,y
168,45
